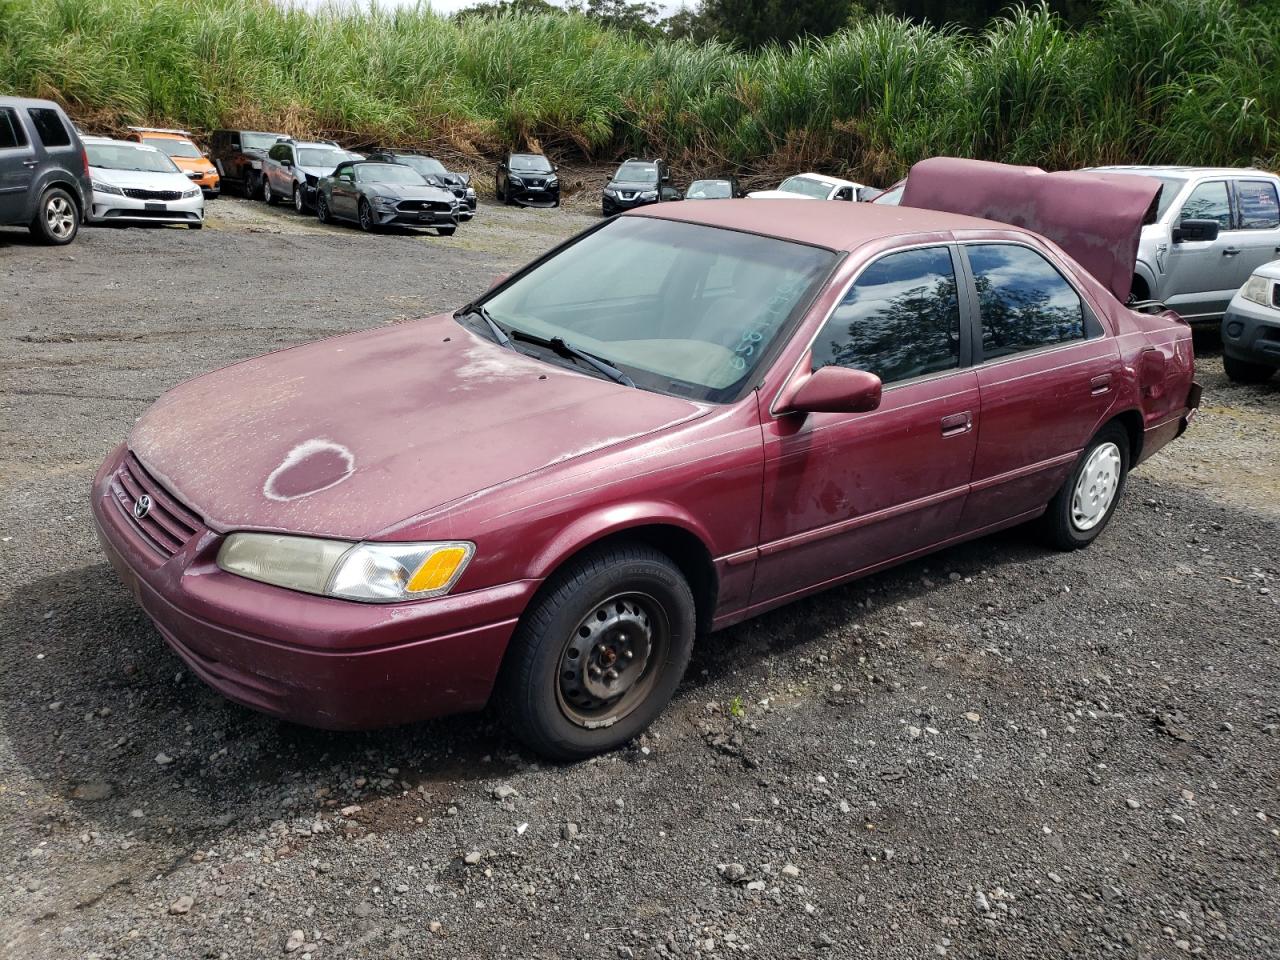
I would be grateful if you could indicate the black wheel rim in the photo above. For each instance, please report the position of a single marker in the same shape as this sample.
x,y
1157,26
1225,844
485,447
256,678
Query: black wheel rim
x,y
612,660
322,209
364,215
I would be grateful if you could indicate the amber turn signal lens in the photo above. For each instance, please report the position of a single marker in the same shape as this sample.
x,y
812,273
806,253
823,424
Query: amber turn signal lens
x,y
437,570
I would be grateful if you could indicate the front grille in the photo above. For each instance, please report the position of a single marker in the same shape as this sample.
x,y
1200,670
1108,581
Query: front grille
x,y
533,181
140,194
168,525
413,206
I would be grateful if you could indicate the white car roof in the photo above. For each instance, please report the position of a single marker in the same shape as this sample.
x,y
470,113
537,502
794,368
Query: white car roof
x,y
833,181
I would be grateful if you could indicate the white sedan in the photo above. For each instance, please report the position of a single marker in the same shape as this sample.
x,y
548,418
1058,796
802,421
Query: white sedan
x,y
811,186
136,183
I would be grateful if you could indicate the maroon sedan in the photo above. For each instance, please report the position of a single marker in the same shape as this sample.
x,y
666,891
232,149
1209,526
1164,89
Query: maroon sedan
x,y
677,420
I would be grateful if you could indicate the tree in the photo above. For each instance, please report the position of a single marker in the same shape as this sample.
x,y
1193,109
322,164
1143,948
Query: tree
x,y
754,23
493,9
640,19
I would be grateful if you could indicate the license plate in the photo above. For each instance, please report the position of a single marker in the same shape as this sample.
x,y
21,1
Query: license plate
x,y
158,207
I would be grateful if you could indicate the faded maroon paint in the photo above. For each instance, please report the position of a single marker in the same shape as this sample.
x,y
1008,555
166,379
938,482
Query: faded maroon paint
x,y
425,431
1097,218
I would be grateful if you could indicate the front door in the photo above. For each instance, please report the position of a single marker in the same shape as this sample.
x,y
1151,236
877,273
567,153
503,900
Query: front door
x,y
1200,272
1045,377
17,167
847,492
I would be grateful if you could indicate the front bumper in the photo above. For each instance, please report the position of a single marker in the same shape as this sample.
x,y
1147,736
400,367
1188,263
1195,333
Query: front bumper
x,y
316,661
113,208
415,218
533,196
210,184
1251,332
611,205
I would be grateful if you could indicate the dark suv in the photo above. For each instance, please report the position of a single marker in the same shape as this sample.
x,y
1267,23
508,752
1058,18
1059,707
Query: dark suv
x,y
44,173
238,155
528,179
638,183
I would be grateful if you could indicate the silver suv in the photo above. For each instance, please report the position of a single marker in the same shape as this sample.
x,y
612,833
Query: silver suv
x,y
292,168
1214,227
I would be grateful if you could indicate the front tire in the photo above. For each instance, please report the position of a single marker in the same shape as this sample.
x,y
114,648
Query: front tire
x,y
366,216
299,199
1085,504
195,226
268,195
446,231
599,653
1242,371
57,219
322,208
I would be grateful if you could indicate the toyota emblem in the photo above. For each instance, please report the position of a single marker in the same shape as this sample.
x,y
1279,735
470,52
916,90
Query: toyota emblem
x,y
141,507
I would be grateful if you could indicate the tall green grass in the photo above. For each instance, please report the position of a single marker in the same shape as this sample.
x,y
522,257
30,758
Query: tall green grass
x,y
1153,81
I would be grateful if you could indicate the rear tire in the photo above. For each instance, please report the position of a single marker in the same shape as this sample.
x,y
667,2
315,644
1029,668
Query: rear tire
x,y
57,219
1242,371
1085,504
631,605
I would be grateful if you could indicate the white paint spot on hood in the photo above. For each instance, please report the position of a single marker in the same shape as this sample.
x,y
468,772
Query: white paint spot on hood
x,y
297,457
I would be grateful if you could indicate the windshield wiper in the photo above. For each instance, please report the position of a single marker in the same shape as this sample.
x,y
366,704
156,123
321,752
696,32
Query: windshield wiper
x,y
566,349
499,335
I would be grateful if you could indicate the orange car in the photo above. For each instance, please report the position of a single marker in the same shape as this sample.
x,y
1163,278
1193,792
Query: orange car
x,y
182,151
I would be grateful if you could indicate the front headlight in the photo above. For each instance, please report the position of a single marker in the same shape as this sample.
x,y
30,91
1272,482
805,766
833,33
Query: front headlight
x,y
188,194
512,178
385,203
372,572
1256,289
649,195
100,187
610,192
471,193
553,181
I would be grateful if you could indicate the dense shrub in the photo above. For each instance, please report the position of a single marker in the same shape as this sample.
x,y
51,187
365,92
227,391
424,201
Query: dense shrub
x,y
1193,81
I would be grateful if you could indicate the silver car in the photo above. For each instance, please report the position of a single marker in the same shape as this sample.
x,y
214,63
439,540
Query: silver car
x,y
1213,229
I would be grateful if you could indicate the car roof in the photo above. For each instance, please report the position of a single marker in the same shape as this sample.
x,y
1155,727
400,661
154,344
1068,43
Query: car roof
x,y
119,143
26,102
834,181
836,226
1172,170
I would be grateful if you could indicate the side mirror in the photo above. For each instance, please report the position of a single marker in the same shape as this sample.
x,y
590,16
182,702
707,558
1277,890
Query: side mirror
x,y
498,280
833,390
1196,230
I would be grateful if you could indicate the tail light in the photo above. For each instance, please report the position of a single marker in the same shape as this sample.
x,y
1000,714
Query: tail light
x,y
84,158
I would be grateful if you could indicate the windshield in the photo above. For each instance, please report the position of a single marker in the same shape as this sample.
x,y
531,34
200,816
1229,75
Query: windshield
x,y
174,148
121,156
258,141
388,173
636,173
893,196
710,190
428,166
682,308
807,186
530,163
1170,187
326,157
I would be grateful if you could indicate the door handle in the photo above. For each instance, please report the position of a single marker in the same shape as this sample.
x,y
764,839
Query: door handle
x,y
31,163
1099,385
957,423
1230,251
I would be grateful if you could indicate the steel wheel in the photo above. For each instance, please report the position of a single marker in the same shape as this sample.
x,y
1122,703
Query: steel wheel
x,y
608,665
60,215
1096,487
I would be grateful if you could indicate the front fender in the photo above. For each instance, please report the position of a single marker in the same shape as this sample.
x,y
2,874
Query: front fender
x,y
606,521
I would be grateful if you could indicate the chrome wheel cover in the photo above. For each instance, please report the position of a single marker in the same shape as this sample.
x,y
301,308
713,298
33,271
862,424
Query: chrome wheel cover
x,y
60,216
1096,487
612,660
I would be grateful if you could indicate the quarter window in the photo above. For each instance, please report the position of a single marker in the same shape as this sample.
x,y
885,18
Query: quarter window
x,y
1259,206
49,126
11,132
1209,201
901,319
1023,300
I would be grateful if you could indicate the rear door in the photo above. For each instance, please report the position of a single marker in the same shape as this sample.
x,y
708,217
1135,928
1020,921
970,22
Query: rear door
x,y
60,150
1201,272
845,492
17,166
1258,219
1044,371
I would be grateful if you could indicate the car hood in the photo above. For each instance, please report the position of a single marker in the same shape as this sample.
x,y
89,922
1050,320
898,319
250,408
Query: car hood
x,y
407,191
141,179
778,195
350,437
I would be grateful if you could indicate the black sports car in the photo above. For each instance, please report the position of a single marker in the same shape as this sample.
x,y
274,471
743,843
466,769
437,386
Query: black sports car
x,y
381,194
528,179
435,173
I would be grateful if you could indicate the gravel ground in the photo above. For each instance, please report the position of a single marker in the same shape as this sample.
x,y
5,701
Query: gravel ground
x,y
994,752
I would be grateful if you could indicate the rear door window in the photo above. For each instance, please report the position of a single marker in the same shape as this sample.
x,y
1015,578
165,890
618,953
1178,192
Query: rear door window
x,y
1024,302
1259,205
49,127
11,132
900,319
1209,201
